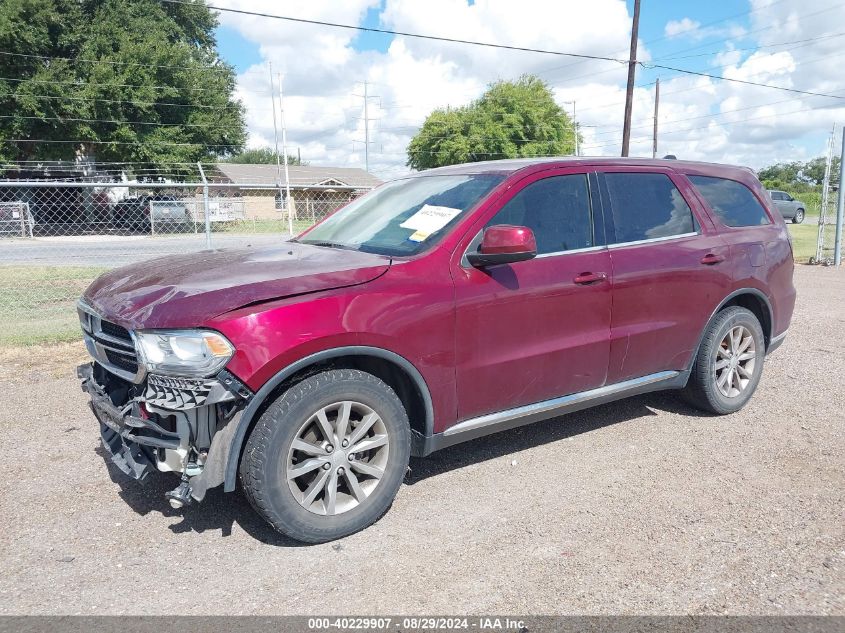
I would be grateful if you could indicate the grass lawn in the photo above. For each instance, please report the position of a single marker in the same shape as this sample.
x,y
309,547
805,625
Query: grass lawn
x,y
804,239
261,226
38,303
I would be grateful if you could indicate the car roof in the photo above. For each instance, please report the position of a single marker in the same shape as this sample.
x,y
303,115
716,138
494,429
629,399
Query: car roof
x,y
513,165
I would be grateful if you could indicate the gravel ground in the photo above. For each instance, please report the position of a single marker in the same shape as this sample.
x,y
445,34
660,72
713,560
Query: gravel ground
x,y
640,507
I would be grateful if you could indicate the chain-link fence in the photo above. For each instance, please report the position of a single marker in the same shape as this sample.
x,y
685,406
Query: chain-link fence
x,y
56,237
826,235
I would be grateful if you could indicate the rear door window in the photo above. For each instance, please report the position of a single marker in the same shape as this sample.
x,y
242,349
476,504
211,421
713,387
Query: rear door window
x,y
647,206
556,209
732,201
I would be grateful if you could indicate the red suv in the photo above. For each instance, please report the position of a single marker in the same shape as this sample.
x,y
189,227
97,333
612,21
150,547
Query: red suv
x,y
444,306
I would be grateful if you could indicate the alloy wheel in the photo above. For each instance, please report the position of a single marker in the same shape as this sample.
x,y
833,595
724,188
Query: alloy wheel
x,y
337,458
735,361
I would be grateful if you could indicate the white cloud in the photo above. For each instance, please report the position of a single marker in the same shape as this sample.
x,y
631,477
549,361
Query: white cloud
x,y
700,118
674,28
693,30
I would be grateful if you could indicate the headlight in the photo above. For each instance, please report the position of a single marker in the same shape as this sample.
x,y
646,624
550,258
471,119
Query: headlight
x,y
183,352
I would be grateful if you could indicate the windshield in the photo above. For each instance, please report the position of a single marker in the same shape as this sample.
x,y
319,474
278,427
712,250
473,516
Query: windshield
x,y
403,217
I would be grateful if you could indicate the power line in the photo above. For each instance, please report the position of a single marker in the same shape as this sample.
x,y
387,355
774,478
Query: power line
x,y
87,142
802,43
803,16
693,129
87,84
645,64
543,71
395,105
615,104
603,142
713,115
370,29
740,81
151,103
97,162
115,121
615,127
81,60
405,33
674,57
137,103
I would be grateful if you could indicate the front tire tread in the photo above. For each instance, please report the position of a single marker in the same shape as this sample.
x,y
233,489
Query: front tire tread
x,y
259,451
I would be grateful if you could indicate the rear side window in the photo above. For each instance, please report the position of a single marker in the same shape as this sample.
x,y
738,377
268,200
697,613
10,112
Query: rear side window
x,y
732,201
647,206
556,209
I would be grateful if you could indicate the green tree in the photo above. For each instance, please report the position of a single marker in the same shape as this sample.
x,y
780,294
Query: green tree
x,y
813,170
262,156
797,176
510,120
136,81
782,172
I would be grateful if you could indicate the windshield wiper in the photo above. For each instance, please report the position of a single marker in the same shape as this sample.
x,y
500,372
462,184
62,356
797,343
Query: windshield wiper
x,y
327,244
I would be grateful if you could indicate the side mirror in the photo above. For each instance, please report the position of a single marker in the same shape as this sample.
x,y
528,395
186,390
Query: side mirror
x,y
504,244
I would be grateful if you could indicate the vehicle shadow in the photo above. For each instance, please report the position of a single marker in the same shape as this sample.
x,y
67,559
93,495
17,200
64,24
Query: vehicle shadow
x,y
546,431
220,511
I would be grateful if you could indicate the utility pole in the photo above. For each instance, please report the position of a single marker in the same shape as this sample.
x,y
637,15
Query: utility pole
x,y
285,155
656,108
574,125
366,96
275,129
629,94
366,131
840,207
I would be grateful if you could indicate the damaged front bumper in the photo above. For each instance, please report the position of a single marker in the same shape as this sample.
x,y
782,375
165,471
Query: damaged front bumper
x,y
181,425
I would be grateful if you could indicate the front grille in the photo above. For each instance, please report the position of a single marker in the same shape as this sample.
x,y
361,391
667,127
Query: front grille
x,y
126,362
110,344
112,329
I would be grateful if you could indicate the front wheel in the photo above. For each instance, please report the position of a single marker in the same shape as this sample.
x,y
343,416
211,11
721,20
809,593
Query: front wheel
x,y
798,218
729,362
327,458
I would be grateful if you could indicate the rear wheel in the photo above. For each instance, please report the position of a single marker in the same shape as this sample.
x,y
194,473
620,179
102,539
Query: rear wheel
x,y
328,456
798,218
729,362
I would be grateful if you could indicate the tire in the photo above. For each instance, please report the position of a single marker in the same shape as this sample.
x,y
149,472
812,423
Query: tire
x,y
703,389
798,218
271,458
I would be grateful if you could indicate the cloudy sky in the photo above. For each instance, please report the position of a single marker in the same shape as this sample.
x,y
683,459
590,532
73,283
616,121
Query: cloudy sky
x,y
792,43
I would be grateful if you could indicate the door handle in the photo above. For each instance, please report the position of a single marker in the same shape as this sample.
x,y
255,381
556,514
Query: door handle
x,y
710,259
585,279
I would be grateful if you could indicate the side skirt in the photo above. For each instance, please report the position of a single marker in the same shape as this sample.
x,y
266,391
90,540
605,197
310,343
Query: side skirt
x,y
527,414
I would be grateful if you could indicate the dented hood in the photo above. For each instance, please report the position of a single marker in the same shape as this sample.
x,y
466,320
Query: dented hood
x,y
186,290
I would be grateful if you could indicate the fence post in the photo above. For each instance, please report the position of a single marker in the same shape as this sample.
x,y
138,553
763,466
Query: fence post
x,y
152,218
840,207
205,207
